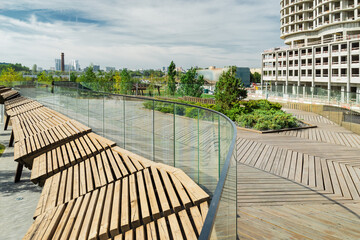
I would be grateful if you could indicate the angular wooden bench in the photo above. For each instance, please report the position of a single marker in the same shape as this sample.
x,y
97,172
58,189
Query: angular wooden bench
x,y
33,122
156,194
30,106
8,95
80,220
25,150
17,102
67,155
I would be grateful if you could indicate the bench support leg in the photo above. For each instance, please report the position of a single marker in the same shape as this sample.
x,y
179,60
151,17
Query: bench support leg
x,y
6,122
18,172
11,142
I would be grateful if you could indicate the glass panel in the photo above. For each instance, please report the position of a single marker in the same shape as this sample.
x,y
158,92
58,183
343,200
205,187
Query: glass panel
x,y
138,127
164,133
114,119
208,150
187,140
225,220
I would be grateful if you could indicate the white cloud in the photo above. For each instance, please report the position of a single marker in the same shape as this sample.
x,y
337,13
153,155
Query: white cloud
x,y
142,34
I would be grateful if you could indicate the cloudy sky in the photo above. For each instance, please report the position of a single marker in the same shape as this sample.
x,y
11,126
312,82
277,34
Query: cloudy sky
x,y
138,33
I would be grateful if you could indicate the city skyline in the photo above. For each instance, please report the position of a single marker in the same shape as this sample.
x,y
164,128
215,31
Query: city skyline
x,y
139,34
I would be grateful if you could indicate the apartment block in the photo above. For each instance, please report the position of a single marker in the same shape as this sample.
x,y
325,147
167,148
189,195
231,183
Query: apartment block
x,y
322,40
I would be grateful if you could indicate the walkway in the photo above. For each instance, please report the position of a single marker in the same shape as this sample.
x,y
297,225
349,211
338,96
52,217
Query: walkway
x,y
299,184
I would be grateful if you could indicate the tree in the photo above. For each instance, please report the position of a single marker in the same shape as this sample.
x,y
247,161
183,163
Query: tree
x,y
255,78
89,75
42,77
9,75
125,82
191,84
73,77
171,78
229,89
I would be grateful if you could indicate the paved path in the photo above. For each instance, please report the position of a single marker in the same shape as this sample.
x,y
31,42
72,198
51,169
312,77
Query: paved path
x,y
17,200
299,184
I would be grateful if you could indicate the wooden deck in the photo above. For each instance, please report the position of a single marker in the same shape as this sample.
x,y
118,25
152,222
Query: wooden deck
x,y
299,184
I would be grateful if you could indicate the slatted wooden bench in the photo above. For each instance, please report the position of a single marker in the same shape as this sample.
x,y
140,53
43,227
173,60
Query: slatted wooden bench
x,y
17,102
68,154
80,220
14,111
30,147
8,95
25,150
157,194
33,122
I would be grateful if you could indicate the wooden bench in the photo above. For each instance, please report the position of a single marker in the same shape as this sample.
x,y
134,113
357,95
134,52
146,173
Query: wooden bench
x,y
110,166
25,150
33,122
14,111
32,146
8,95
68,154
133,204
17,102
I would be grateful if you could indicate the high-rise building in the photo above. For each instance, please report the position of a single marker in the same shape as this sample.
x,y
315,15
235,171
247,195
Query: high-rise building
x,y
108,69
322,39
96,68
75,66
57,64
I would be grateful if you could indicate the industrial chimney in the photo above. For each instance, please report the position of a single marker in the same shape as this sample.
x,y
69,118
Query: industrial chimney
x,y
62,62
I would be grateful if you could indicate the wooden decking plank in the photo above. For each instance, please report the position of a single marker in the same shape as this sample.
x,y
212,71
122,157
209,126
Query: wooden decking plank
x,y
106,216
175,228
125,211
82,178
84,233
76,229
197,218
145,211
155,212
165,207
107,167
134,206
186,225
95,224
61,195
95,172
116,207
64,231
89,176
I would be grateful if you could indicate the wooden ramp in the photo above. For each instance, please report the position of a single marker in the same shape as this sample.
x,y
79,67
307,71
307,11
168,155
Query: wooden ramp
x,y
299,184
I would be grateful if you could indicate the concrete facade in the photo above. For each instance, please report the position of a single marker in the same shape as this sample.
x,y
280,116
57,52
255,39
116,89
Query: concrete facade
x,y
322,39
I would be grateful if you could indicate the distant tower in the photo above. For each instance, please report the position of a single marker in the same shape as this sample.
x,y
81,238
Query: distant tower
x,y
62,62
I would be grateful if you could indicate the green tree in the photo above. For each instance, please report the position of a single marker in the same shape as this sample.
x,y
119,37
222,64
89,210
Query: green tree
x,y
89,76
229,89
255,78
125,82
171,78
191,84
9,75
42,77
73,77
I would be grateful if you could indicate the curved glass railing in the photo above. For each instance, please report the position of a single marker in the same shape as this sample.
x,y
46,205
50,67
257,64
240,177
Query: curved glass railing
x,y
199,141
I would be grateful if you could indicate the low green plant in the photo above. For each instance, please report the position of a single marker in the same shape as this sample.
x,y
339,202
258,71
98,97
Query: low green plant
x,y
256,114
